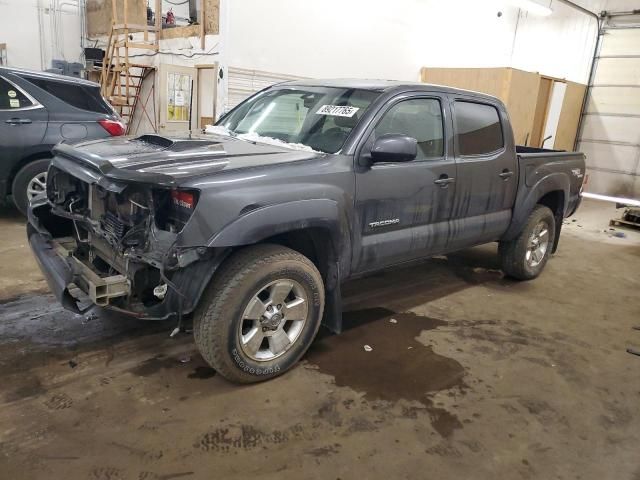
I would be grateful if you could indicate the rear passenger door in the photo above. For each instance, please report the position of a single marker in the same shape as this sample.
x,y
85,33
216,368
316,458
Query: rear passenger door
x,y
23,123
403,207
487,180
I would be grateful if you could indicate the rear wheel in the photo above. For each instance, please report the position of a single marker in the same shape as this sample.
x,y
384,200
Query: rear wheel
x,y
260,313
31,180
525,256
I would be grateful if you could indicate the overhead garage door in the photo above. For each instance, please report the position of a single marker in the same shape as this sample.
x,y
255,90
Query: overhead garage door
x,y
244,83
611,130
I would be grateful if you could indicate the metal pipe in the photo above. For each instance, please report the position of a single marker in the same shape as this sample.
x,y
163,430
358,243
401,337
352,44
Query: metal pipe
x,y
41,35
592,69
622,14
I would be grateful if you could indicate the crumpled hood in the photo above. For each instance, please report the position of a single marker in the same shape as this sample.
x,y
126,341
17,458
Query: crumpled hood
x,y
163,159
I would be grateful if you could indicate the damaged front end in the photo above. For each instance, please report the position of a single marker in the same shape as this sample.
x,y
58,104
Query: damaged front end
x,y
116,243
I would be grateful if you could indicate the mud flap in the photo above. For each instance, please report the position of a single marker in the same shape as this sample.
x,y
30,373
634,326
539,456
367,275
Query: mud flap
x,y
556,240
332,318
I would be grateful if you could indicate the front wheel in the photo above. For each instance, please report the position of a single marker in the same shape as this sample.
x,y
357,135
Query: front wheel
x,y
260,313
525,256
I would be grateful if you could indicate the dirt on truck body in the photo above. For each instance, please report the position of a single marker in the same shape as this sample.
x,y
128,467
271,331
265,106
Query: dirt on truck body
x,y
253,227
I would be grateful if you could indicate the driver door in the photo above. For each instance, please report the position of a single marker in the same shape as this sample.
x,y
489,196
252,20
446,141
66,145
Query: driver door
x,y
403,208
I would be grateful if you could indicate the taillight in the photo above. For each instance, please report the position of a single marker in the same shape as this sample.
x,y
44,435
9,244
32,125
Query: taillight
x,y
114,127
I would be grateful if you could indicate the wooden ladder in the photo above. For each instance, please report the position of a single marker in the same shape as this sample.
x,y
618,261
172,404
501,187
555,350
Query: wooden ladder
x,y
121,79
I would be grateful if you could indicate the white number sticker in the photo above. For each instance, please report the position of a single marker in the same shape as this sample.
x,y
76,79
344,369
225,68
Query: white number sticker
x,y
14,103
337,110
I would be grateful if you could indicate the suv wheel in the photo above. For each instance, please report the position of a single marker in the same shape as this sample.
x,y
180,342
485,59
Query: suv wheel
x,y
260,313
525,256
30,181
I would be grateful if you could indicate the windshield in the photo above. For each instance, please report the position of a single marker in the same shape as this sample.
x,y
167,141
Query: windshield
x,y
320,118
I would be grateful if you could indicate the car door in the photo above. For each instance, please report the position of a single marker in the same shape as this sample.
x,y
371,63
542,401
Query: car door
x,y
402,208
23,123
486,181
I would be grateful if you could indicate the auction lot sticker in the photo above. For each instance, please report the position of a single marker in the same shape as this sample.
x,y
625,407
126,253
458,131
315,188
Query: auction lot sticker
x,y
337,110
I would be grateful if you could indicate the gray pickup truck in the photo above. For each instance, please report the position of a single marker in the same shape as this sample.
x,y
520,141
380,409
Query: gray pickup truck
x,y
253,227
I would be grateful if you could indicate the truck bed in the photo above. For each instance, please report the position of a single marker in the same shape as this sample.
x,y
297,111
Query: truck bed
x,y
537,163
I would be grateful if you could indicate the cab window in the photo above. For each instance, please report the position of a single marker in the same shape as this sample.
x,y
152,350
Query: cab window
x,y
420,118
478,130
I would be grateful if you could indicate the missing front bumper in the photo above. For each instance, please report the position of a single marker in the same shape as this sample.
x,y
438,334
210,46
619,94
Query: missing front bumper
x,y
100,289
65,274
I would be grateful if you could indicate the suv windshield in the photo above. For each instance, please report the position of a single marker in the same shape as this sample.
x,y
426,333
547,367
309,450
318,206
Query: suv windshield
x,y
320,118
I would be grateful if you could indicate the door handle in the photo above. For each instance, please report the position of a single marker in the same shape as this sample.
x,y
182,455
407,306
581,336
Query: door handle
x,y
18,121
506,174
444,181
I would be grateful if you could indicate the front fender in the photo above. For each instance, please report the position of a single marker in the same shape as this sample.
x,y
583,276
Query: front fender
x,y
528,198
270,220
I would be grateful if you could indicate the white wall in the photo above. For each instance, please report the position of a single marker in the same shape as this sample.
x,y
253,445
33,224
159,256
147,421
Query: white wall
x,y
37,31
382,39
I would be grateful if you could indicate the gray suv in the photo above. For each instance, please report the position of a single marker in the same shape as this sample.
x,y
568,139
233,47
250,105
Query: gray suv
x,y
37,111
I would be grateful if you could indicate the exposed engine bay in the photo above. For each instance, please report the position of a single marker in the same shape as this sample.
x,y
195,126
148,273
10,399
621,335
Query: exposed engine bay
x,y
120,237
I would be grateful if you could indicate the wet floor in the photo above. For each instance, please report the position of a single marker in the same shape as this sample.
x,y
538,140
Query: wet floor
x,y
445,369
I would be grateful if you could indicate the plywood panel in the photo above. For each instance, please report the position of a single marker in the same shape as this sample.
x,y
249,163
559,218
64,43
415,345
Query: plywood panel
x,y
493,81
211,23
99,18
521,102
212,17
99,15
516,88
542,106
569,116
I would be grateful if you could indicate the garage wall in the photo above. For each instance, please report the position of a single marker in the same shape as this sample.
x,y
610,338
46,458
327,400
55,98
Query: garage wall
x,y
373,38
37,31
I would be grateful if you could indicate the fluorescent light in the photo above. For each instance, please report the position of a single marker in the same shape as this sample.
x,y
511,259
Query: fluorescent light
x,y
607,198
532,7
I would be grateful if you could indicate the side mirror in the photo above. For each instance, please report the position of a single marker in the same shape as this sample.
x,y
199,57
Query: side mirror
x,y
393,147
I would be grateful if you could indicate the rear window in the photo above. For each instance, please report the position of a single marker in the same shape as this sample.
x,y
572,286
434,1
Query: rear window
x,y
478,129
11,98
76,95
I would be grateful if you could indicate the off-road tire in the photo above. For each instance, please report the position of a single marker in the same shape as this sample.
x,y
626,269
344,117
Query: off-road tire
x,y
219,313
513,253
21,182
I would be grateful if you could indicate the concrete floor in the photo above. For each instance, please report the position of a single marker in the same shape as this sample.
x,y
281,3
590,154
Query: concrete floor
x,y
479,377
